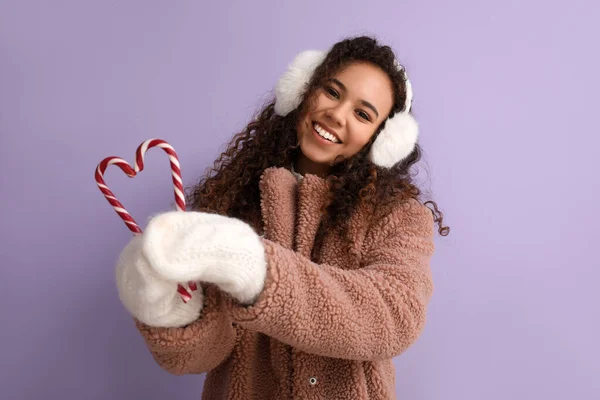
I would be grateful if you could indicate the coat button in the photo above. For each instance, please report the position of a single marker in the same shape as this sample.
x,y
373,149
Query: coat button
x,y
312,381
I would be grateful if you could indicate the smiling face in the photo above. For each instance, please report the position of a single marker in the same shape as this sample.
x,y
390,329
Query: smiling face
x,y
349,108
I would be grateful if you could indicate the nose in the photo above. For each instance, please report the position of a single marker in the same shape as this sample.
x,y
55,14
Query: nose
x,y
337,114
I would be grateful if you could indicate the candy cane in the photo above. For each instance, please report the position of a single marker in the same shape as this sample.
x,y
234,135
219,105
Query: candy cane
x,y
175,170
139,166
121,211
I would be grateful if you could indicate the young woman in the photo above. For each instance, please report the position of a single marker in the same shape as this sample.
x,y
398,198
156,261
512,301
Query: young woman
x,y
308,242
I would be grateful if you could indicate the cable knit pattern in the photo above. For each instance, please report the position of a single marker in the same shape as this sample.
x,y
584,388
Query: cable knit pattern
x,y
148,296
323,328
197,246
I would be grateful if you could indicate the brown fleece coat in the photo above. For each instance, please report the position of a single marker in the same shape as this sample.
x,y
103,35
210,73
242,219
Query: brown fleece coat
x,y
324,330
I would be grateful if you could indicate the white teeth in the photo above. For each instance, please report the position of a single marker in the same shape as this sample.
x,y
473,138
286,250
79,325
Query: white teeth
x,y
323,133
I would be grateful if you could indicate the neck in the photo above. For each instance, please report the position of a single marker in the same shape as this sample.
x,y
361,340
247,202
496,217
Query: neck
x,y
303,165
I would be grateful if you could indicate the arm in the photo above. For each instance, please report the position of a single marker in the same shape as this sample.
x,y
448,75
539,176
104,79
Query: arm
x,y
191,337
371,313
195,348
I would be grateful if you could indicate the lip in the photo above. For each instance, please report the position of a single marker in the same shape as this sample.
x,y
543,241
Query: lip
x,y
331,132
321,139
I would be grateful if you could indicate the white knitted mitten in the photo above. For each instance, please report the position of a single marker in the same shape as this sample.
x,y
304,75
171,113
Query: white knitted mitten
x,y
197,246
149,297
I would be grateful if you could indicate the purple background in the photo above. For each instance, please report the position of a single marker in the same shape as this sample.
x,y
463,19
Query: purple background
x,y
507,97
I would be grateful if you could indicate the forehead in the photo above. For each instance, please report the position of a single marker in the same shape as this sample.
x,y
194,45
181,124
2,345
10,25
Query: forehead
x,y
365,81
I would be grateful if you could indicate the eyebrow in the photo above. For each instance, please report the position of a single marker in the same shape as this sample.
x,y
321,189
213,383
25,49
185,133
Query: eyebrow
x,y
364,102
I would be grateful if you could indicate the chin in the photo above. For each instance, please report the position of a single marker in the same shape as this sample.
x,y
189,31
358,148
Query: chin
x,y
316,154
320,160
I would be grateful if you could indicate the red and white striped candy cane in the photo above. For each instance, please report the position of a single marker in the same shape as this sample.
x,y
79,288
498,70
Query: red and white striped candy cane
x,y
175,169
121,211
131,172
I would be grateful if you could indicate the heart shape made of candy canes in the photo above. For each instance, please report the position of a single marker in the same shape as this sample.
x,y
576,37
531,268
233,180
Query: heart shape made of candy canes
x,y
132,172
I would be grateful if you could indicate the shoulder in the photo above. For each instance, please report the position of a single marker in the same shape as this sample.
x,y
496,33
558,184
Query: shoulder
x,y
400,229
398,213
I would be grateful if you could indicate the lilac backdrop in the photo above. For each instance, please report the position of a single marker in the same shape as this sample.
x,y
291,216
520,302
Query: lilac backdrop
x,y
506,93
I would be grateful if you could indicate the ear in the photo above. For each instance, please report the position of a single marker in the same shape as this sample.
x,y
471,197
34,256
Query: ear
x,y
396,141
290,88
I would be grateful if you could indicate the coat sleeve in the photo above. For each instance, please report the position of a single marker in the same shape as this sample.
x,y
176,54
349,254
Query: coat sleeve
x,y
198,347
371,313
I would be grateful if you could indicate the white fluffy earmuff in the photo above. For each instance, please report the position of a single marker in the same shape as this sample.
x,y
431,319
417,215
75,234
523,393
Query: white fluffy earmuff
x,y
394,143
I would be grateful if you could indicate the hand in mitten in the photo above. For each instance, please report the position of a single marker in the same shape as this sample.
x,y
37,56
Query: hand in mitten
x,y
197,246
149,297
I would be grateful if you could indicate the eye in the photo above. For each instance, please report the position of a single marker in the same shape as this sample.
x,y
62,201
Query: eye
x,y
332,92
363,115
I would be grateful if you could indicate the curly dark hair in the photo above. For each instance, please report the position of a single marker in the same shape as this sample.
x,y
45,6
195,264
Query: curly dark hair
x,y
231,186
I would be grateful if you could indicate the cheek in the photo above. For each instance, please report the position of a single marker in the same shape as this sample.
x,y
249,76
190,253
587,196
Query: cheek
x,y
361,136
321,102
303,126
